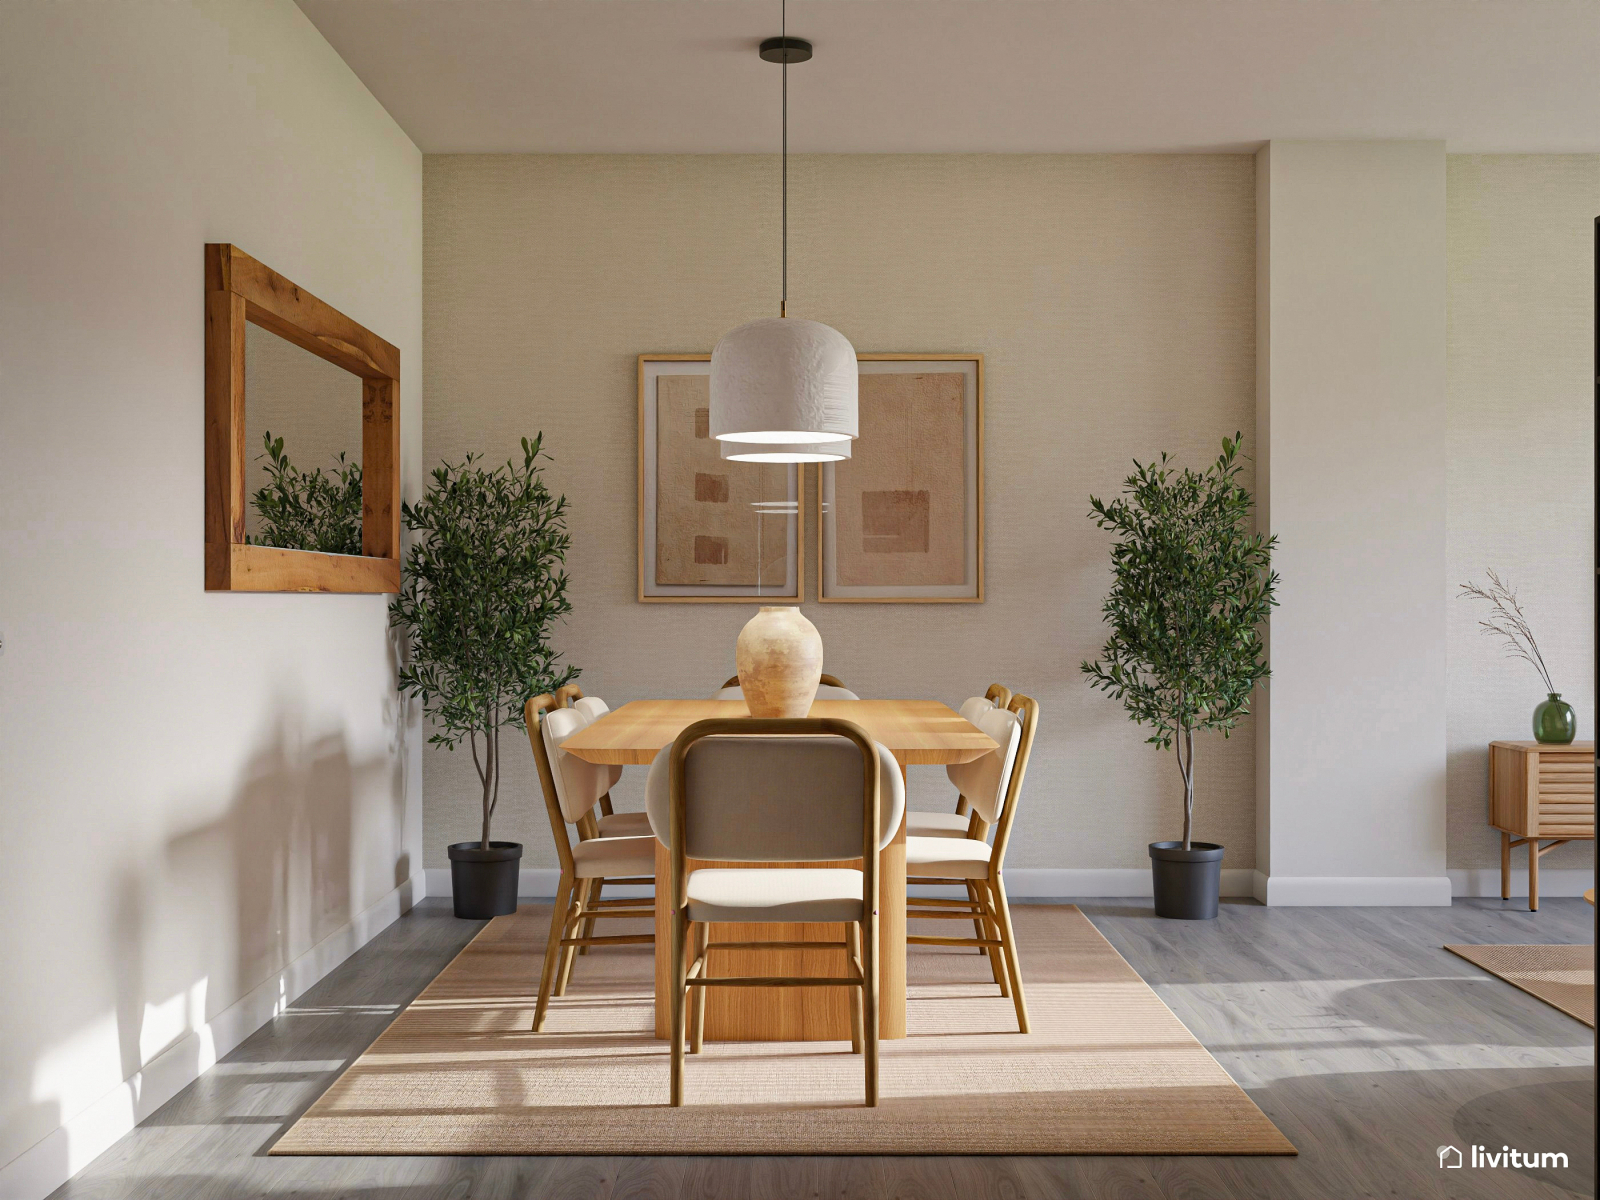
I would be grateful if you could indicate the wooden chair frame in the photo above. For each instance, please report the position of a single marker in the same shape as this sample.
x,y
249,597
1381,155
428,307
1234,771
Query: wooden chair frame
x,y
861,941
577,902
987,906
239,290
827,680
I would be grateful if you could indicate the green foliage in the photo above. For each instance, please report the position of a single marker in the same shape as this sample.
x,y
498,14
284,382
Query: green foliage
x,y
484,583
1192,587
308,510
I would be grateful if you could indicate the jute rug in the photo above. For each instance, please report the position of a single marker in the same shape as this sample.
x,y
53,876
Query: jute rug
x,y
1107,1070
1561,976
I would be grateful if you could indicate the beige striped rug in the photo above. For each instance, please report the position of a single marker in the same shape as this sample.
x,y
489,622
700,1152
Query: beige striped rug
x,y
1108,1069
1561,976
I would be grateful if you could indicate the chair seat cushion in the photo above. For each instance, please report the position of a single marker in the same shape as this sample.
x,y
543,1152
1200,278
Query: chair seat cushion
x,y
625,824
774,894
947,858
614,857
936,824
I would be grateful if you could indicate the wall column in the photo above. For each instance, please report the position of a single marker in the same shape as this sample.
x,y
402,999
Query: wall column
x,y
1351,473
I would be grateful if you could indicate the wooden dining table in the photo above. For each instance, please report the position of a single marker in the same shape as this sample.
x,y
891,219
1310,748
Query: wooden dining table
x,y
916,732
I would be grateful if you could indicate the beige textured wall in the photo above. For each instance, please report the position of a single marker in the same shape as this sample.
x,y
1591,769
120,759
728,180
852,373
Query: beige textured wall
x,y
1112,295
1521,475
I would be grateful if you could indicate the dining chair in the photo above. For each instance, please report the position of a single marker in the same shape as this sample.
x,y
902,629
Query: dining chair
x,y
920,823
791,791
572,789
830,688
992,784
609,823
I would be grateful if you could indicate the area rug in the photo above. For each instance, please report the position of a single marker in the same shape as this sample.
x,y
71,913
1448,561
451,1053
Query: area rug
x,y
1108,1069
1561,976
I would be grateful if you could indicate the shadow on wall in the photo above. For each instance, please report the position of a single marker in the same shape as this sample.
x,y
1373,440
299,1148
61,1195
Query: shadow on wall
x,y
286,864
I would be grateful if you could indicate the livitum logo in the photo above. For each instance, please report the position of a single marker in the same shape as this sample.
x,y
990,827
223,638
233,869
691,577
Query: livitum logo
x,y
1451,1158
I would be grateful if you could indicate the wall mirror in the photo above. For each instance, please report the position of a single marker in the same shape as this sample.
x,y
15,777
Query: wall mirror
x,y
315,507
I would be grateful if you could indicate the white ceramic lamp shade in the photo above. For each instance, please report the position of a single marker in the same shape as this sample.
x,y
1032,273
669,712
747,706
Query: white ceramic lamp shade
x,y
785,382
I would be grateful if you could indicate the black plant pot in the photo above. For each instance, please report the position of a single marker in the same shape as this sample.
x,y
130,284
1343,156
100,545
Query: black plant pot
x,y
1186,881
484,882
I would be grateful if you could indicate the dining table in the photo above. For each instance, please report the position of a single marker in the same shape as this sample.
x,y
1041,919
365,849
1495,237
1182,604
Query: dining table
x,y
917,733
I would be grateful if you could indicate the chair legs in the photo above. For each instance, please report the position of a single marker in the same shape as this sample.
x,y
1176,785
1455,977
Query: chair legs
x,y
990,913
697,1002
593,901
680,988
852,935
552,948
687,1018
1008,938
580,901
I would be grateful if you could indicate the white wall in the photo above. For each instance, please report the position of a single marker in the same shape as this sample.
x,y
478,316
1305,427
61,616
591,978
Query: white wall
x,y
1521,429
205,800
1353,383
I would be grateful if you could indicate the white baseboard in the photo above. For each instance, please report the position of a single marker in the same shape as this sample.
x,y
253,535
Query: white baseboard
x,y
1332,891
87,1134
1553,881
1023,883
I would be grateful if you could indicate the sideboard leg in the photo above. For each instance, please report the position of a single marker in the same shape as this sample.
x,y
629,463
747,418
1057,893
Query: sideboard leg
x,y
1505,865
1533,874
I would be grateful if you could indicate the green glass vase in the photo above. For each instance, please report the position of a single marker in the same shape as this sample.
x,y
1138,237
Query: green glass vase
x,y
1554,722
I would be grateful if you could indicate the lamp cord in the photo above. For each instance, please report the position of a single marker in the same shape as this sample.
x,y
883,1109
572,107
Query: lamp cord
x,y
783,28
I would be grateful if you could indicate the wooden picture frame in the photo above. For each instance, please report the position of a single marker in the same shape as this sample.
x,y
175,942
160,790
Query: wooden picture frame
x,y
791,590
970,589
239,290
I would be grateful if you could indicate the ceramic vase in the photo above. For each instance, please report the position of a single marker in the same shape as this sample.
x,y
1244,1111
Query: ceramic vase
x,y
1554,722
779,657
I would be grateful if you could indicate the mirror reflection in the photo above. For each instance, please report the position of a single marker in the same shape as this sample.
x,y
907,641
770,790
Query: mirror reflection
x,y
303,446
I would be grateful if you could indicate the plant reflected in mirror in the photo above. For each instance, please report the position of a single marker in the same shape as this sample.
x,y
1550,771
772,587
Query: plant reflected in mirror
x,y
307,510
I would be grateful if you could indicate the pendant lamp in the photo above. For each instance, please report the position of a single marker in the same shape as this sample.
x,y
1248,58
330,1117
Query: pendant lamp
x,y
782,389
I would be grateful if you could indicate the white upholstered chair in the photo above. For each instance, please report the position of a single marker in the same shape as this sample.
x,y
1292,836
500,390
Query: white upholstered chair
x,y
609,823
774,791
572,790
831,688
992,785
920,823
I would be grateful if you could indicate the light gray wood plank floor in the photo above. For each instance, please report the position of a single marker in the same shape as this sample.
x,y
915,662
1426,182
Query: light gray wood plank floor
x,y
1353,1029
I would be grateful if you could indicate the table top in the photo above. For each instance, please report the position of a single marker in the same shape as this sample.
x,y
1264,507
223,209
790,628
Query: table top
x,y
917,732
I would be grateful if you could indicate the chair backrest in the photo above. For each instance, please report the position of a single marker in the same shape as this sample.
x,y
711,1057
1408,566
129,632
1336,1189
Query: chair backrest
x,y
1027,710
578,784
985,781
825,691
767,795
592,707
827,681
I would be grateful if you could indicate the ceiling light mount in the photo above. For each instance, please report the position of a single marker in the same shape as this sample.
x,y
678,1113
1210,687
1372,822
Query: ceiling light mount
x,y
786,50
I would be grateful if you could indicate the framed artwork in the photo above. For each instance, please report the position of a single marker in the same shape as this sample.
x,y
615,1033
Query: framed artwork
x,y
709,530
901,520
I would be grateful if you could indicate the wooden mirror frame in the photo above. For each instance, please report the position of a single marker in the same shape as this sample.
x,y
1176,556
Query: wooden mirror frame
x,y
238,290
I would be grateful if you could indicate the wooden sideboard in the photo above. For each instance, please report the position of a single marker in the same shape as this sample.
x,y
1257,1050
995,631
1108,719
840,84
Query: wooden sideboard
x,y
1539,793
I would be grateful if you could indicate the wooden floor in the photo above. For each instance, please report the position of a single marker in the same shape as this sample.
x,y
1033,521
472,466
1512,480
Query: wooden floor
x,y
1366,1042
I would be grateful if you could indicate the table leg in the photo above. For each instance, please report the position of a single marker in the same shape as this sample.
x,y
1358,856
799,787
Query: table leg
x,y
1505,865
1533,874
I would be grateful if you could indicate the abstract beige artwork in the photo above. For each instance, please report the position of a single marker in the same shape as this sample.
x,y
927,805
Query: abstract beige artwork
x,y
899,514
710,528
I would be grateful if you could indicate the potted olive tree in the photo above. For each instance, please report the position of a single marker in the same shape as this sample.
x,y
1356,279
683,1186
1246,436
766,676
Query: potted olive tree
x,y
484,583
1191,587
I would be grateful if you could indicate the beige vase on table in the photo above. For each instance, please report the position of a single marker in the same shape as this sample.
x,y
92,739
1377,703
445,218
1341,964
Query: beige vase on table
x,y
779,657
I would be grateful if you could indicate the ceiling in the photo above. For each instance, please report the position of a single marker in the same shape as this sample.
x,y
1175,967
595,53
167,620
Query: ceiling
x,y
929,76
